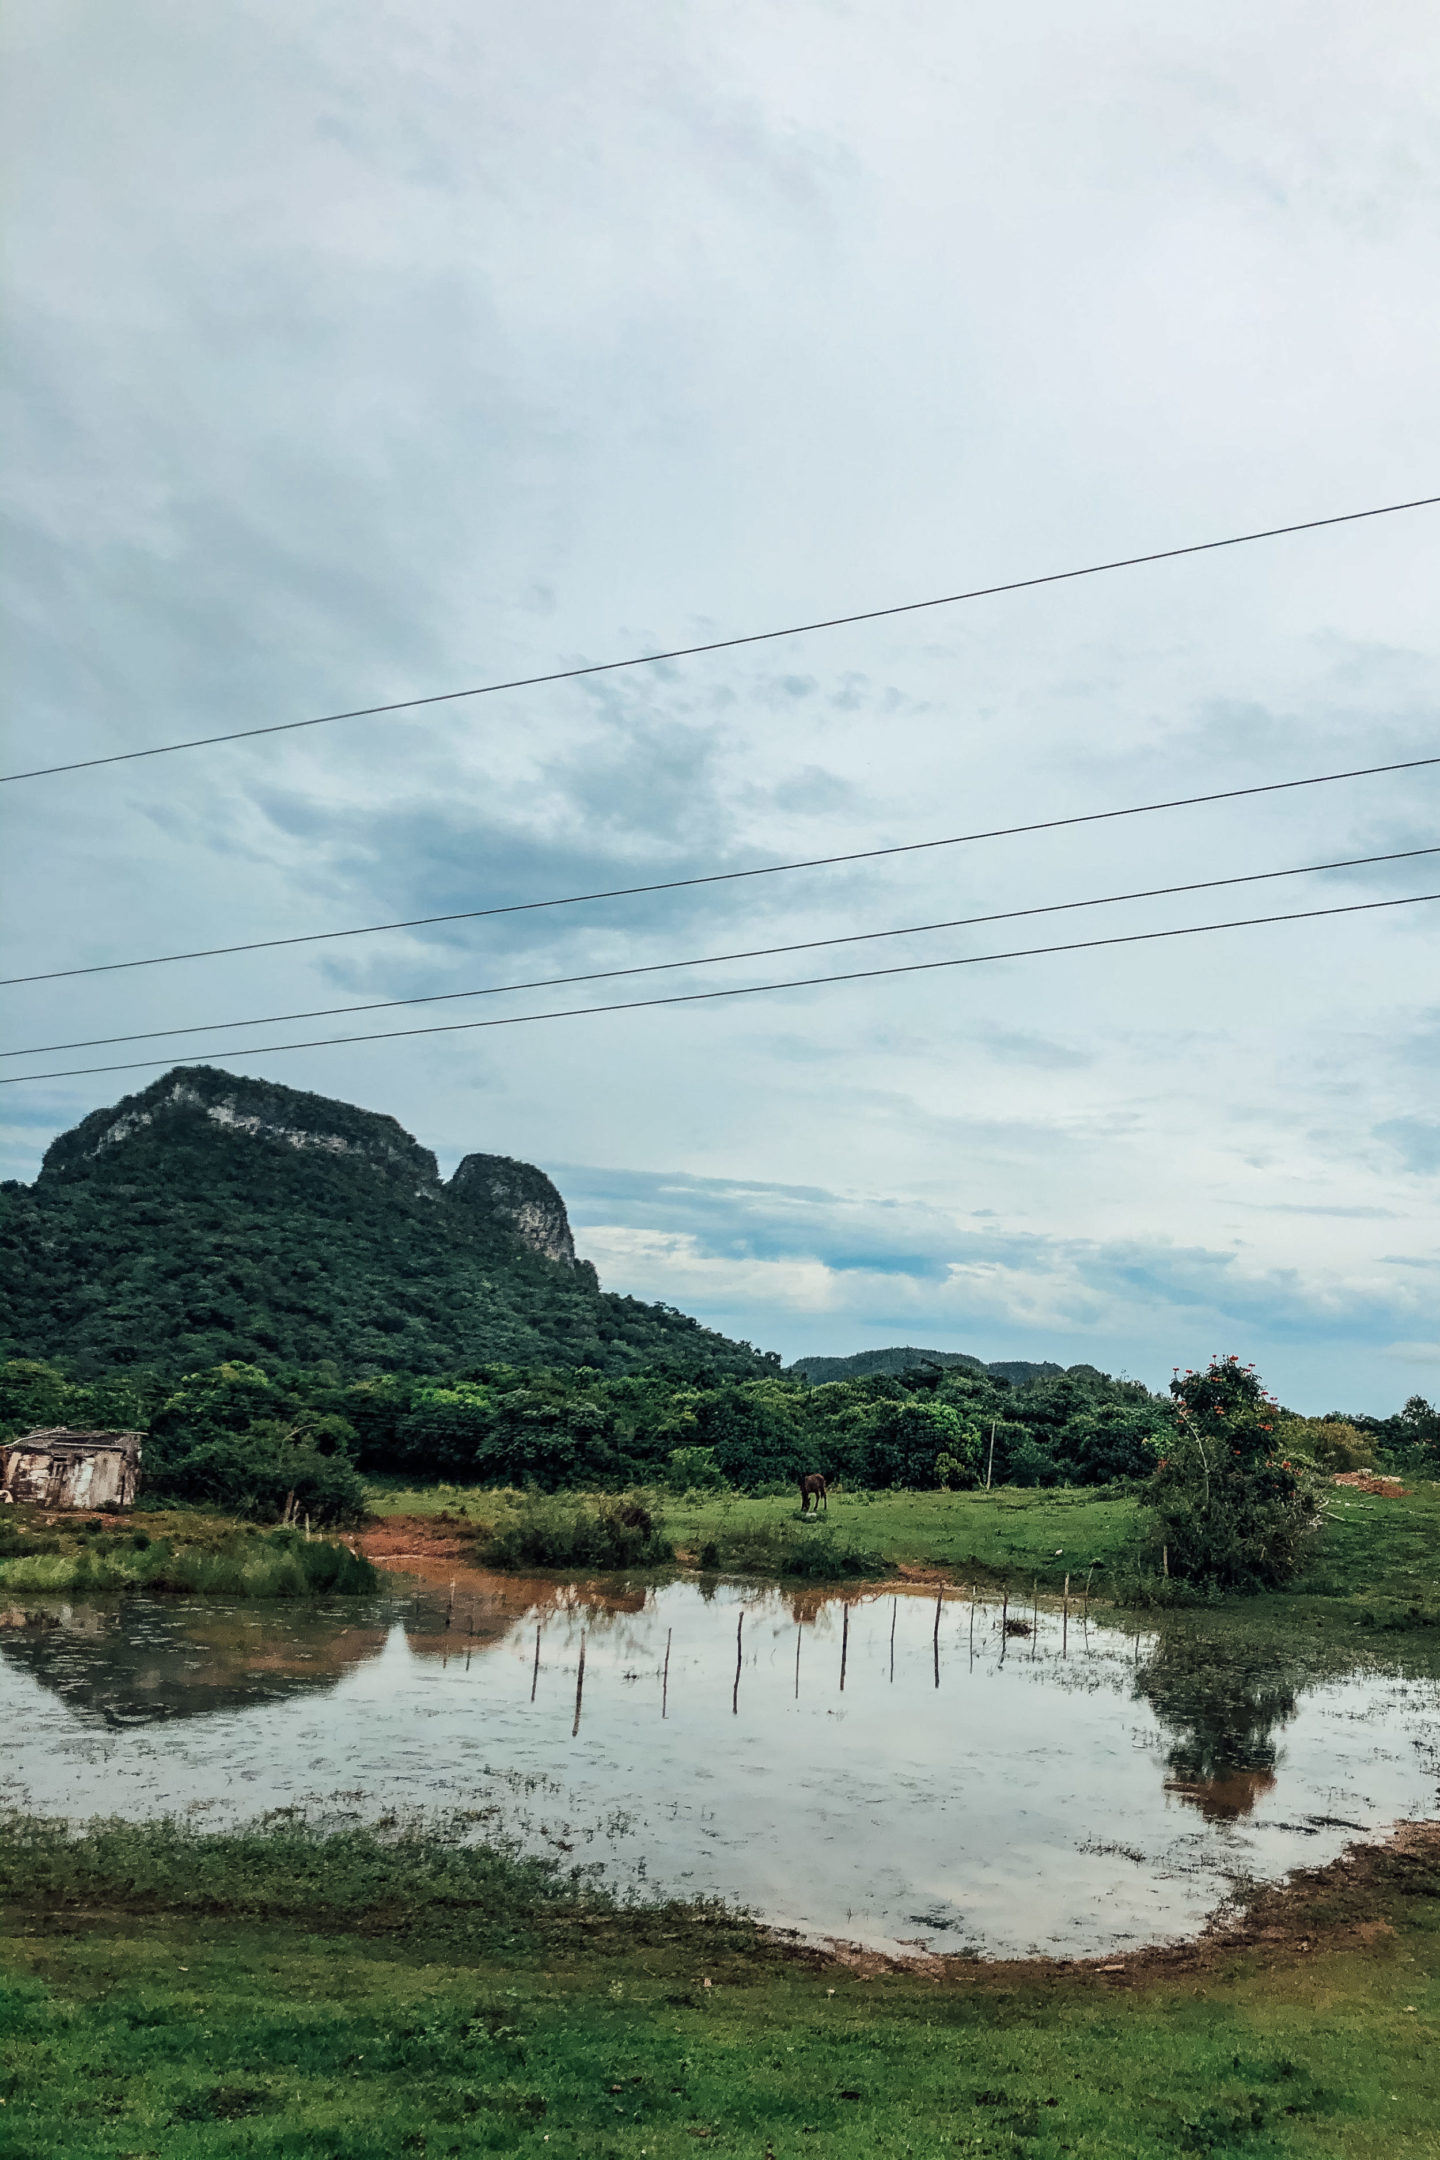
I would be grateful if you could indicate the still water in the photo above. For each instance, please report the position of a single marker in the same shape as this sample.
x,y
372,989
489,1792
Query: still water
x,y
843,1766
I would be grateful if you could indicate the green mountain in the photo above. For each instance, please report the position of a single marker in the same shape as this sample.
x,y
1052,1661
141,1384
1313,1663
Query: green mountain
x,y
1018,1371
212,1217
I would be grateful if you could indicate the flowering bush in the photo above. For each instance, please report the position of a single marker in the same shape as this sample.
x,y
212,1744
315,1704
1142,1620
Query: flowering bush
x,y
1226,1507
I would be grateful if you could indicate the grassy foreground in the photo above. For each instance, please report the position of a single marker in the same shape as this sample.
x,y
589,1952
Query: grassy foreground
x,y
178,1551
1375,1562
278,1994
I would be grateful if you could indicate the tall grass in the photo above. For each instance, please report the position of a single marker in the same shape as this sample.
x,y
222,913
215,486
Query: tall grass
x,y
561,1531
244,1564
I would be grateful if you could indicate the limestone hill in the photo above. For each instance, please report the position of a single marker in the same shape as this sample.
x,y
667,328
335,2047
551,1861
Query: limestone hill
x,y
212,1217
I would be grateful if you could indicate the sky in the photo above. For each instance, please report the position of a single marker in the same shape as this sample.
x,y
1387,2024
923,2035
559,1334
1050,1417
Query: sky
x,y
364,354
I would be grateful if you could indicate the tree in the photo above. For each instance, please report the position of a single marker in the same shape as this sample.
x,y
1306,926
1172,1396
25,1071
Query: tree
x,y
1225,1507
908,1439
231,1438
1419,1424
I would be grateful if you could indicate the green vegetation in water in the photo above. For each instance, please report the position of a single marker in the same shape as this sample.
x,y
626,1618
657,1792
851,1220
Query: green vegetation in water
x,y
178,1554
369,1995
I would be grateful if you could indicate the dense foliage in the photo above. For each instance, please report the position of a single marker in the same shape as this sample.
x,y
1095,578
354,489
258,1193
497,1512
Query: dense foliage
x,y
1227,1507
903,1358
296,1441
212,1219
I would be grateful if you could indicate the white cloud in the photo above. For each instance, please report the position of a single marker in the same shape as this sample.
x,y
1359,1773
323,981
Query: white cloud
x,y
363,357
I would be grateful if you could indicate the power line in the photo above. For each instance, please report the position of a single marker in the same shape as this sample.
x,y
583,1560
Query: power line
x,y
719,877
728,644
703,997
757,952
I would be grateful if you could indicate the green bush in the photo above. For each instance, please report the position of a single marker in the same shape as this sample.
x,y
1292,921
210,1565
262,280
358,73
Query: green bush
x,y
694,1469
1225,1507
553,1532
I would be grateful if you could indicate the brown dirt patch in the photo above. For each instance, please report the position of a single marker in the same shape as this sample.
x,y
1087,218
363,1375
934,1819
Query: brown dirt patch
x,y
397,1538
1387,1488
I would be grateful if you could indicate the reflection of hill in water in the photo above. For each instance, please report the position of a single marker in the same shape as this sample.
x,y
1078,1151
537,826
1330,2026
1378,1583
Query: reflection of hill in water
x,y
139,1661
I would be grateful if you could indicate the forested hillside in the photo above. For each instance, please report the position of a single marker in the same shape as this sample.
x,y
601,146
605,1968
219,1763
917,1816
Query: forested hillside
x,y
904,1358
212,1218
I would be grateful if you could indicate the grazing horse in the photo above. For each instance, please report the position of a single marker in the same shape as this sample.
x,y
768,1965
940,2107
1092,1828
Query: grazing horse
x,y
813,1488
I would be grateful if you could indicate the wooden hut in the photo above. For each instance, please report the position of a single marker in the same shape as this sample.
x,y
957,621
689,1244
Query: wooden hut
x,y
57,1468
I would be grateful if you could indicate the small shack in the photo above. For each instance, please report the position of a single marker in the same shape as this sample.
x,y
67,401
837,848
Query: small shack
x,y
58,1468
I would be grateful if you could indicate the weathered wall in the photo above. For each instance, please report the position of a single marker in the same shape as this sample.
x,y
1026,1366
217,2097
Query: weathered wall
x,y
73,1475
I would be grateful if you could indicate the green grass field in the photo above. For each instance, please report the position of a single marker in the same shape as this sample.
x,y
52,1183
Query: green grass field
x,y
1375,1562
165,2002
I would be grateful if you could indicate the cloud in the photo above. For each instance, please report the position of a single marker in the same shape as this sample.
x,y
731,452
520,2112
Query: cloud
x,y
1416,1140
359,363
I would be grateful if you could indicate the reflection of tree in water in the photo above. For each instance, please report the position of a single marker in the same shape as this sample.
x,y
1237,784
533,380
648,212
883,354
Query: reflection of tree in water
x,y
1220,1704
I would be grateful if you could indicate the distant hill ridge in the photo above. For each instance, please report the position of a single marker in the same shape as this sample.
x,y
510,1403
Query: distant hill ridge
x,y
1018,1371
215,1217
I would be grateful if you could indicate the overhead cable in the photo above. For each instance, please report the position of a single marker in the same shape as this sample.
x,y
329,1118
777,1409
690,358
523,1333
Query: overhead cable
x,y
704,997
726,644
721,877
756,952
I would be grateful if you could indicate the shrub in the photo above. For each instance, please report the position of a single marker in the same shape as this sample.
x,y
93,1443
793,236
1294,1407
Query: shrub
x,y
785,1549
1225,1507
1331,1444
259,1477
694,1469
552,1532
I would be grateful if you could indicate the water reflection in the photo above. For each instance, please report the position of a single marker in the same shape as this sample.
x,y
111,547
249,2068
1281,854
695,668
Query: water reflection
x,y
887,1768
1222,1706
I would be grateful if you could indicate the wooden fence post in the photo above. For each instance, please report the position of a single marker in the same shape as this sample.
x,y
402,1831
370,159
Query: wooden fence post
x,y
579,1688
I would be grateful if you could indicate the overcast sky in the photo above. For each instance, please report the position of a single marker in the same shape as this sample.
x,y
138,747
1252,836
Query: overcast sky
x,y
358,353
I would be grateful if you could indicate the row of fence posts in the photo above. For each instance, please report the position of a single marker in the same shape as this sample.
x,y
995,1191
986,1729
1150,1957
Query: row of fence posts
x,y
1034,1631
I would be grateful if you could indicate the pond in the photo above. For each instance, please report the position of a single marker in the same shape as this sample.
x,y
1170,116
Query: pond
x,y
878,1768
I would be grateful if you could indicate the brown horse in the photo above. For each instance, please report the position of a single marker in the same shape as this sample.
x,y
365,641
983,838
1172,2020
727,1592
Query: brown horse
x,y
813,1488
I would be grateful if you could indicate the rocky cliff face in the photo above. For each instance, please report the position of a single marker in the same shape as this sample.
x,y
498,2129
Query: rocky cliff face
x,y
520,1196
202,1098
